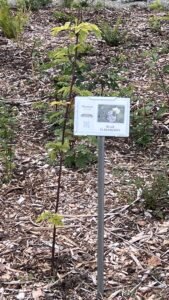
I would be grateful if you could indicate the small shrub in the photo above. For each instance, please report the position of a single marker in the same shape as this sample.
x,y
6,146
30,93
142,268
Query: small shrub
x,y
12,25
141,129
112,35
35,5
155,24
126,91
163,109
156,197
79,157
68,3
63,17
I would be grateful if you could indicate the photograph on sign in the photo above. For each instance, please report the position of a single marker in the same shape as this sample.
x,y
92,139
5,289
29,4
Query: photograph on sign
x,y
111,113
102,116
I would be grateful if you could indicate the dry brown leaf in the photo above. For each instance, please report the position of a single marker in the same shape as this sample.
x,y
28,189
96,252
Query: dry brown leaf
x,y
141,222
154,261
6,276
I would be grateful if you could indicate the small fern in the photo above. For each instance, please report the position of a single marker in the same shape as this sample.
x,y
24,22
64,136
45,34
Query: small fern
x,y
54,219
112,35
12,25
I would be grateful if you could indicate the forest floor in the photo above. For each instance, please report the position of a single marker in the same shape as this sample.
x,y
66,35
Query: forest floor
x,y
136,241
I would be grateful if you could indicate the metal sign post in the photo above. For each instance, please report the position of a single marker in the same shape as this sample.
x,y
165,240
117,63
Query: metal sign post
x,y
100,246
101,116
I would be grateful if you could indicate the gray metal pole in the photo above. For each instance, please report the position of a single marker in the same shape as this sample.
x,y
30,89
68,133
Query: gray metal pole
x,y
100,246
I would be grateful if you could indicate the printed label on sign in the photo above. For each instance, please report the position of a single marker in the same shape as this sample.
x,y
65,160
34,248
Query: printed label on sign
x,y
102,116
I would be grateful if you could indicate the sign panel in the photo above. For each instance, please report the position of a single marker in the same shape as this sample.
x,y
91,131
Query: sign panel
x,y
102,116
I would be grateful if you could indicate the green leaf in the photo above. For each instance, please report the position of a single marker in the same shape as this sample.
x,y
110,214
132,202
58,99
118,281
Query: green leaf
x,y
64,91
166,69
88,27
59,55
62,103
58,146
56,30
55,219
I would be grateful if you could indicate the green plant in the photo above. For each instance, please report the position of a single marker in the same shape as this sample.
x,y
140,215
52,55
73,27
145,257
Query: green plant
x,y
98,6
35,5
54,219
156,5
63,16
7,134
68,3
69,63
82,4
112,35
106,80
156,197
12,24
141,125
80,157
161,110
138,182
126,91
155,23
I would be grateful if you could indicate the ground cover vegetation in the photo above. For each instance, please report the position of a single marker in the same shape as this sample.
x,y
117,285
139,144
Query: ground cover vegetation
x,y
13,23
49,176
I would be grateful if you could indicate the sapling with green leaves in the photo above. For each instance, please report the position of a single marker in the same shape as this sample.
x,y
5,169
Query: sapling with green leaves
x,y
69,61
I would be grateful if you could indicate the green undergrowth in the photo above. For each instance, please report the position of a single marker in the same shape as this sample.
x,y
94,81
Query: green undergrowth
x,y
63,17
12,23
113,35
35,5
156,196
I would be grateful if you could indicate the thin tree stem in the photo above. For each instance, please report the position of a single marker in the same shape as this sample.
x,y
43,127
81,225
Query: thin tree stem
x,y
66,116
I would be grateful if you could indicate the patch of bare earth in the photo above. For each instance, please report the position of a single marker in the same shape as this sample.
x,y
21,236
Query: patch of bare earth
x,y
136,243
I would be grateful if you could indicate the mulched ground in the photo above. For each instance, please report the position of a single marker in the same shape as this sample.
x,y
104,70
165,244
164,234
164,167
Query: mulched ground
x,y
136,243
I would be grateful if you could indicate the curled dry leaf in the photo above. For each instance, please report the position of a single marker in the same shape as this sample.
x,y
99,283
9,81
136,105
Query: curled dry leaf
x,y
154,261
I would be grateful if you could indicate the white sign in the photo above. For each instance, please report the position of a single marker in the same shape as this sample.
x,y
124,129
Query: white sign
x,y
102,116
